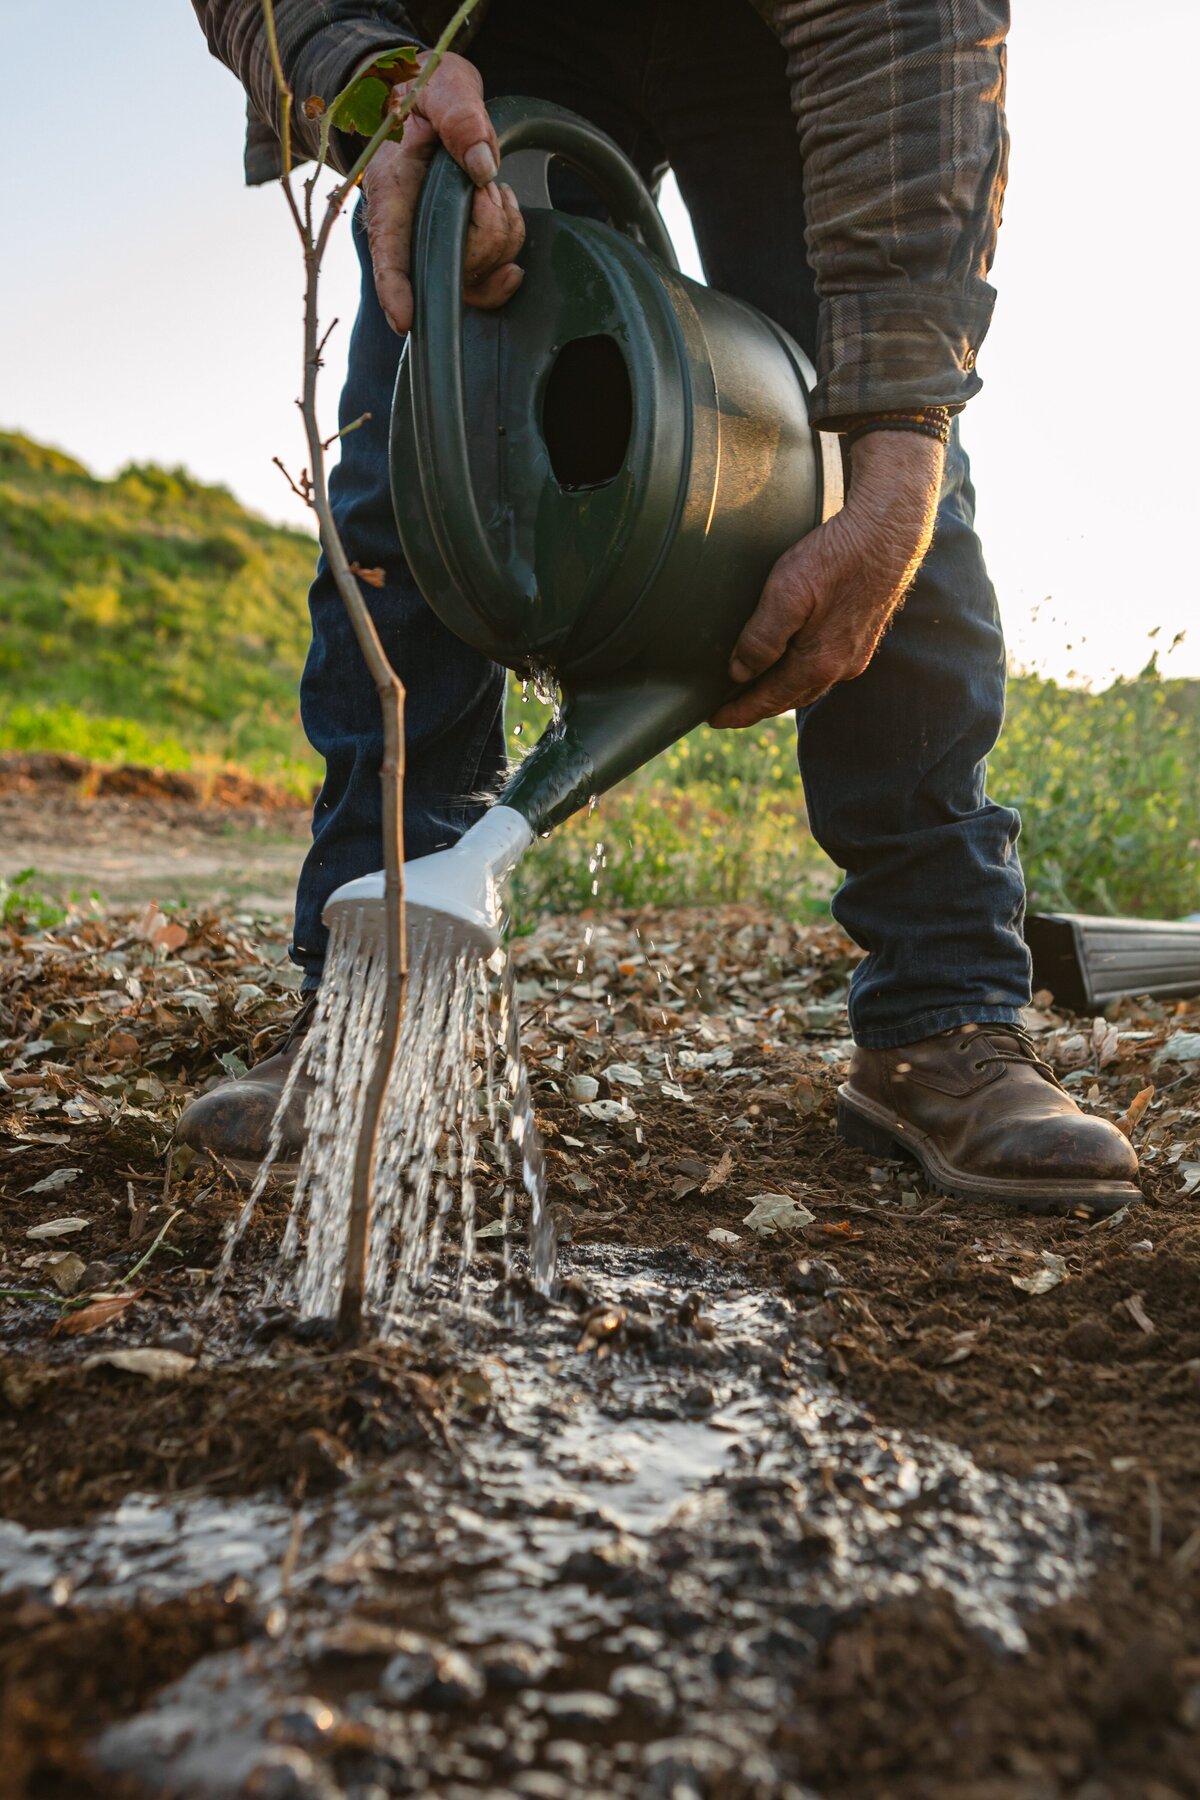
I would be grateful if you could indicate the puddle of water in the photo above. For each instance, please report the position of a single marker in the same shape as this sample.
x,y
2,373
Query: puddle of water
x,y
149,1549
674,1530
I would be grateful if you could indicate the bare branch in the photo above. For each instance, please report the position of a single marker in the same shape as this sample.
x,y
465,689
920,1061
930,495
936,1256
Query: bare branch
x,y
346,429
281,84
303,492
314,491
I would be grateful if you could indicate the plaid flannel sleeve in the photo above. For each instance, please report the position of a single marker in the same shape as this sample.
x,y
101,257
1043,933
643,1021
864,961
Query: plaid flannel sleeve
x,y
900,109
323,45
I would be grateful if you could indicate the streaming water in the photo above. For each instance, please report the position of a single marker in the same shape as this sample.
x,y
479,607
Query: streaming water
x,y
546,689
458,1074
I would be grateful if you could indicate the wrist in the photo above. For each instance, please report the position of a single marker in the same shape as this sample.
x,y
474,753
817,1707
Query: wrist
x,y
923,421
887,460
895,484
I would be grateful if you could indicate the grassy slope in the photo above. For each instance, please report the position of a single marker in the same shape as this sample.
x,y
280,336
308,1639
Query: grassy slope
x,y
150,618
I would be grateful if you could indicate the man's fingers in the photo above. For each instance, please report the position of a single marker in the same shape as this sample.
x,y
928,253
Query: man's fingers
x,y
495,237
452,101
770,694
499,287
799,677
393,186
782,611
494,240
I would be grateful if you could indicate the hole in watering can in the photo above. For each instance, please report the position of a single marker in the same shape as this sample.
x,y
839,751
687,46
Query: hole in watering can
x,y
587,413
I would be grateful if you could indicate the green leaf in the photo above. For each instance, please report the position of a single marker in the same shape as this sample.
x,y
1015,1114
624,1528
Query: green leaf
x,y
359,107
391,59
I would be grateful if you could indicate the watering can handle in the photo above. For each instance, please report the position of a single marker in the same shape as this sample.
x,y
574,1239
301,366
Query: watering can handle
x,y
435,355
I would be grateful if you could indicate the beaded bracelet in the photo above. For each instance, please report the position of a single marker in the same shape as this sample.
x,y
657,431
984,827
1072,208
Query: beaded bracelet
x,y
931,422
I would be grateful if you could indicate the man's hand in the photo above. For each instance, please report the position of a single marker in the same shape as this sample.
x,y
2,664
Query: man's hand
x,y
828,600
448,110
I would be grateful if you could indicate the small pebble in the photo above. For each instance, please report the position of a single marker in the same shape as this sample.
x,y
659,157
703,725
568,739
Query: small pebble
x,y
581,1708
516,1665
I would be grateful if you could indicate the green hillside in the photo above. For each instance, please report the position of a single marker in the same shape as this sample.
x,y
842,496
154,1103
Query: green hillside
x,y
149,618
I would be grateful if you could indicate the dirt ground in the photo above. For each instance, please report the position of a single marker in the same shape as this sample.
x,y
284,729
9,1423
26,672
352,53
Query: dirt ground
x,y
1052,1357
138,834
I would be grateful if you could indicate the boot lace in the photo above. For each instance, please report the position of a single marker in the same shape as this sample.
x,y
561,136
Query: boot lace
x,y
302,1018
1007,1043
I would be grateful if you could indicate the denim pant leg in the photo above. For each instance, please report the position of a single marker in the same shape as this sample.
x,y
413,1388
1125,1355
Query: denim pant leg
x,y
454,712
894,763
894,766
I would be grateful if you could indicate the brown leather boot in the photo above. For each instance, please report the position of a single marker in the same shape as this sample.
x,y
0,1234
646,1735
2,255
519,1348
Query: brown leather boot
x,y
987,1120
233,1122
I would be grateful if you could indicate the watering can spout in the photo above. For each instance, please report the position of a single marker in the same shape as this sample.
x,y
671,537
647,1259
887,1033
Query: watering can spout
x,y
452,898
608,728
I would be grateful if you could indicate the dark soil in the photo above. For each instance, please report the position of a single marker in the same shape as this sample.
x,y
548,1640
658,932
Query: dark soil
x,y
907,1299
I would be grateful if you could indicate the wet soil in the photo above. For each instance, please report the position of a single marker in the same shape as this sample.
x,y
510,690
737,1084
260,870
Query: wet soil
x,y
843,1511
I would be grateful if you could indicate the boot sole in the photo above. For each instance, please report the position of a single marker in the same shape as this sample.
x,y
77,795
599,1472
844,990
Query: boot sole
x,y
869,1127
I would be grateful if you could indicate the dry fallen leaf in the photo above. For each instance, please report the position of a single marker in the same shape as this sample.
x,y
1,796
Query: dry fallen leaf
x,y
770,1213
96,1316
66,1271
1180,1047
1104,1042
1135,1307
1137,1106
625,1075
155,1365
54,1228
718,1175
1053,1270
720,1236
49,1184
958,1347
609,1112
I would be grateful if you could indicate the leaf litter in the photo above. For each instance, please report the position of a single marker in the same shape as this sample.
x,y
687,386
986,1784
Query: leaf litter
x,y
112,1020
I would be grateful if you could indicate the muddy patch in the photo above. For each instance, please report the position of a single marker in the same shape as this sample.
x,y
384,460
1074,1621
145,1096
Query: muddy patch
x,y
663,1512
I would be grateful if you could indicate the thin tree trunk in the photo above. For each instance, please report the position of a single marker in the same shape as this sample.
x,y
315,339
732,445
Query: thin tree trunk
x,y
314,489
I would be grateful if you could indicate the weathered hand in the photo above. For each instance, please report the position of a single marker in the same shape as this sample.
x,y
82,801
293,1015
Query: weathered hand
x,y
828,600
449,110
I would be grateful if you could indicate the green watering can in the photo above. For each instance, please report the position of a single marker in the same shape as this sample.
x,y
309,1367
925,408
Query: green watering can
x,y
591,484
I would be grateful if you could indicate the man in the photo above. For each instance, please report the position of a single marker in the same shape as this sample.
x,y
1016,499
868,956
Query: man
x,y
843,162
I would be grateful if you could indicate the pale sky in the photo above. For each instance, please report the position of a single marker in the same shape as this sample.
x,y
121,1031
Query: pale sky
x,y
150,308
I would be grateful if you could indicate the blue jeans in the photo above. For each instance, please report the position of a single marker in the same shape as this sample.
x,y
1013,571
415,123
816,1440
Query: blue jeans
x,y
893,763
